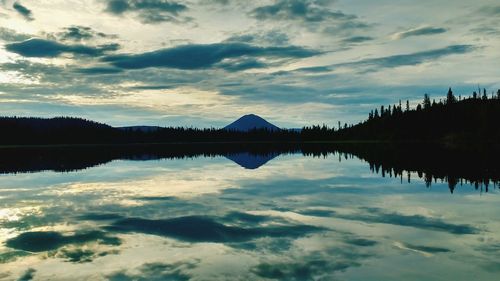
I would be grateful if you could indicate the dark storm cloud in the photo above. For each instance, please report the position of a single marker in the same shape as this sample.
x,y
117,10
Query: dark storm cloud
x,y
197,56
205,229
49,49
421,31
39,241
23,11
81,33
148,11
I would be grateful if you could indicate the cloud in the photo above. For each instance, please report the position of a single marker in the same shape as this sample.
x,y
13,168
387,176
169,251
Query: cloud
x,y
374,64
304,10
99,70
29,274
23,11
247,219
156,272
81,33
304,268
77,255
490,10
11,256
230,56
272,38
11,35
411,59
357,39
205,229
216,2
419,31
242,64
40,241
317,213
48,49
149,11
314,14
424,249
99,216
375,215
361,242
153,87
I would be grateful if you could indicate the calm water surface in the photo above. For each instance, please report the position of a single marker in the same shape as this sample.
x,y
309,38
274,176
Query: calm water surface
x,y
294,218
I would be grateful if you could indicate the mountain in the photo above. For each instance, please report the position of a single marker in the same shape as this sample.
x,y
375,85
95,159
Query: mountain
x,y
249,122
251,161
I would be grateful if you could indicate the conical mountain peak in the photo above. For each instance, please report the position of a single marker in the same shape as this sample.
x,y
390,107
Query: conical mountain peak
x,y
250,122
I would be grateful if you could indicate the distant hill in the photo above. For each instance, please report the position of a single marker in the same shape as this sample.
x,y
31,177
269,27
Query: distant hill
x,y
144,129
58,130
250,122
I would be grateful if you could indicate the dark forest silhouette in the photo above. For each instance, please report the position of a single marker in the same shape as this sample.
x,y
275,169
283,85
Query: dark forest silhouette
x,y
69,130
454,120
431,163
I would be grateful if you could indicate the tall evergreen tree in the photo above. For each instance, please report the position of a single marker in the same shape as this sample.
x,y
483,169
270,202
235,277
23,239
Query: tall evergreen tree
x,y
427,101
450,98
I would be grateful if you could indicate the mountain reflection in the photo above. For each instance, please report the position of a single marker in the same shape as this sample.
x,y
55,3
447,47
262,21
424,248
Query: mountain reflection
x,y
251,161
478,167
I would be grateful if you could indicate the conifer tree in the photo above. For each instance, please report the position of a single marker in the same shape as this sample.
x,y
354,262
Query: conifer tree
x,y
427,101
450,98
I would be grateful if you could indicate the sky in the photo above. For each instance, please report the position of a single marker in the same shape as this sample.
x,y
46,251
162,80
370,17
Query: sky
x,y
205,63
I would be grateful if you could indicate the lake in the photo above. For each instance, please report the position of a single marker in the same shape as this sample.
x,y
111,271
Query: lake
x,y
241,215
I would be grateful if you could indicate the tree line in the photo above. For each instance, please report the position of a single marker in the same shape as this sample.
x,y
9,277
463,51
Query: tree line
x,y
455,120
